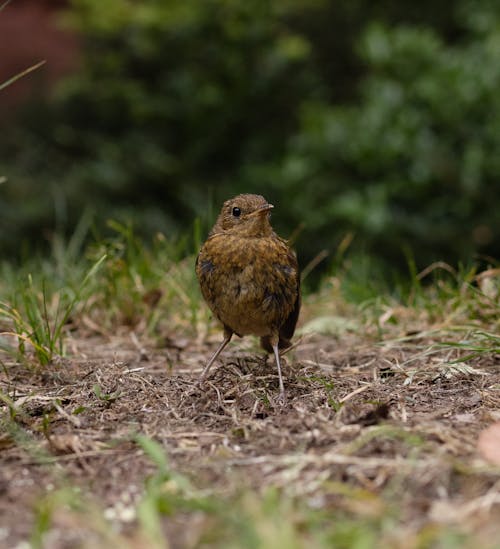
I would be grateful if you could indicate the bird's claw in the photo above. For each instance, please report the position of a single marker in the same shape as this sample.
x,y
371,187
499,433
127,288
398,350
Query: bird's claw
x,y
281,400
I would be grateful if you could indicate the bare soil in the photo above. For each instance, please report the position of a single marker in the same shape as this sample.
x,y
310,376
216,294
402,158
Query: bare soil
x,y
396,420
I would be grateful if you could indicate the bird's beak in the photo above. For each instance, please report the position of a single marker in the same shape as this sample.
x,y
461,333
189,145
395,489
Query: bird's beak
x,y
263,209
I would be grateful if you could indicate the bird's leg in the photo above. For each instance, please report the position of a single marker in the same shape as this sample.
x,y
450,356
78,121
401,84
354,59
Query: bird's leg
x,y
228,334
274,343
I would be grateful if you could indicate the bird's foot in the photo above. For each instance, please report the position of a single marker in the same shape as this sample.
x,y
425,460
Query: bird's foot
x,y
281,400
200,381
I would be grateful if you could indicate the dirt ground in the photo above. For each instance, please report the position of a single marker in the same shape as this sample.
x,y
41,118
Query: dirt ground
x,y
397,417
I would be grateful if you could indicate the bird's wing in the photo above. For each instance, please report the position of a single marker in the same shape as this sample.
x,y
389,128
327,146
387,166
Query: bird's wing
x,y
288,327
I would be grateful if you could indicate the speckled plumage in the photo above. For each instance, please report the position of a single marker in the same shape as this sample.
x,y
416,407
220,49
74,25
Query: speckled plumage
x,y
249,276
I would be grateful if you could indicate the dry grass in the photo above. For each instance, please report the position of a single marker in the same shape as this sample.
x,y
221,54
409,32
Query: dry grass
x,y
111,443
376,437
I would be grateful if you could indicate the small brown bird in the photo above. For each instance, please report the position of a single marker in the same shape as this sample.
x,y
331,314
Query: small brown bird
x,y
250,278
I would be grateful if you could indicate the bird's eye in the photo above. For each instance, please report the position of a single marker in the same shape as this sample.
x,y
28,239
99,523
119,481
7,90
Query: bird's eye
x,y
236,212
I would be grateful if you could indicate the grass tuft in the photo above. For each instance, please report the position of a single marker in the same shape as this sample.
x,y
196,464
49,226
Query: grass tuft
x,y
38,316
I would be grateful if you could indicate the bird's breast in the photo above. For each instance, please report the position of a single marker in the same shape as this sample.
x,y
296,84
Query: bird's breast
x,y
251,285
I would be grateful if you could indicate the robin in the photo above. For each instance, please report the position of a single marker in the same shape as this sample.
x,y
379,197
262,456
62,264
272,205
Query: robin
x,y
249,278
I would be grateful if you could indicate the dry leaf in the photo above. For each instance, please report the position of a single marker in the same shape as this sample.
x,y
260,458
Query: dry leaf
x,y
488,443
65,444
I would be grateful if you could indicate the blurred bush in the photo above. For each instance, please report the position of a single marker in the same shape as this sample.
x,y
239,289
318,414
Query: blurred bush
x,y
171,100
415,164
379,121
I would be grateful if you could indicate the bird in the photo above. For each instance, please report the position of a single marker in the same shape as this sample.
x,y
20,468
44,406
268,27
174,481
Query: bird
x,y
249,277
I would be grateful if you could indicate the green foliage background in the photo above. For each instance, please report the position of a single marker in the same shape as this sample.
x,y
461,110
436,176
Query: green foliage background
x,y
378,121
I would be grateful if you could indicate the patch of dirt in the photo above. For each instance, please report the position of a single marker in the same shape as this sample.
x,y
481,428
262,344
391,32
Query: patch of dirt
x,y
371,417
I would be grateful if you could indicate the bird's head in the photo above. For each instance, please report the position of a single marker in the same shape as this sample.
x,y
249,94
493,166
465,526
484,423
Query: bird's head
x,y
247,215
